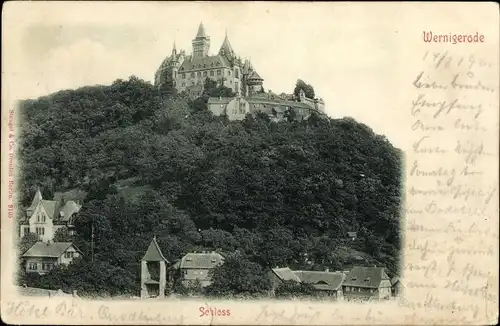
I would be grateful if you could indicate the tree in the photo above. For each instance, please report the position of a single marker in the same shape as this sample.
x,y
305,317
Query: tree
x,y
294,289
62,235
27,241
308,89
238,276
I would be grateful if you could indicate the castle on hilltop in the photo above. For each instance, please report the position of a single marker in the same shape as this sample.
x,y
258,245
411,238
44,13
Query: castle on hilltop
x,y
187,73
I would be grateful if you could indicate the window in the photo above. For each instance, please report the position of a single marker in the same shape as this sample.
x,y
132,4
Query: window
x,y
218,72
211,72
47,266
183,75
204,74
229,72
192,83
236,86
192,74
26,230
198,74
32,266
69,254
175,74
40,231
183,84
43,218
236,73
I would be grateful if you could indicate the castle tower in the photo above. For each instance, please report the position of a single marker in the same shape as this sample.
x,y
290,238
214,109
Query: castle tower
x,y
226,48
174,63
201,43
149,285
254,82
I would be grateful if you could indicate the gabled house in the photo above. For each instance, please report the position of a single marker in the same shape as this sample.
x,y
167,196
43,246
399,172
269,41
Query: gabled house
x,y
45,217
365,283
44,256
325,283
197,266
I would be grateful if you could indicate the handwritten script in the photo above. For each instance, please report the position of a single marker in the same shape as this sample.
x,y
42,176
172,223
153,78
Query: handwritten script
x,y
451,234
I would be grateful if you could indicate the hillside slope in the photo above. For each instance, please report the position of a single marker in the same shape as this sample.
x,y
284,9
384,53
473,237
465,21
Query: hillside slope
x,y
281,193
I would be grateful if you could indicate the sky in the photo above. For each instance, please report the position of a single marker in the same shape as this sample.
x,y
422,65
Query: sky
x,y
344,51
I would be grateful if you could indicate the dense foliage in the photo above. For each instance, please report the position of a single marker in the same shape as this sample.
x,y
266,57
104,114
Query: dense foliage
x,y
155,163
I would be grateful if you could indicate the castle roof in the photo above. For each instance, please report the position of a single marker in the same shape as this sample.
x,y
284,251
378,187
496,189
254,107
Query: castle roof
x,y
203,63
201,31
226,46
254,75
154,253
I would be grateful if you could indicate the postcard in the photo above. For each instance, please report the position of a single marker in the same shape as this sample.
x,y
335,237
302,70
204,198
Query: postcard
x,y
250,163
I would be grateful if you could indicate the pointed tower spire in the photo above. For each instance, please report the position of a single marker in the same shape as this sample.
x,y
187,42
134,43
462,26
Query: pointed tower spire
x,y
201,31
226,47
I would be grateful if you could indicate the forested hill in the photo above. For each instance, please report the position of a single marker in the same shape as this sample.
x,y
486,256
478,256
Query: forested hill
x,y
157,164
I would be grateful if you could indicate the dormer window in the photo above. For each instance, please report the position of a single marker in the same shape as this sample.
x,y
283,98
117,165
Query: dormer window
x,y
213,261
367,279
353,279
188,259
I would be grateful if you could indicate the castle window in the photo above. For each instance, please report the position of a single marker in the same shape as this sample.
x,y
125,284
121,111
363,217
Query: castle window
x,y
26,229
211,72
218,72
236,73
40,231
183,75
204,74
32,266
183,84
68,254
192,74
175,74
192,83
198,74
229,72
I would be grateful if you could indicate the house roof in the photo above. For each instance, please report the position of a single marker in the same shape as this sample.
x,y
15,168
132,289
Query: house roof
x,y
321,280
201,260
53,249
285,274
204,63
68,210
154,252
37,292
352,234
36,199
368,277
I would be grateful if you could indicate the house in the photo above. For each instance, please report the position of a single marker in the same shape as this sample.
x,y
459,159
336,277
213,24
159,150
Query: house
x,y
44,256
366,283
45,217
280,275
197,266
325,283
396,286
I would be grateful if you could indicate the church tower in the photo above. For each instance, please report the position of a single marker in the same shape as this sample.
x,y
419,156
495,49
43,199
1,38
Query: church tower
x,y
201,44
152,285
